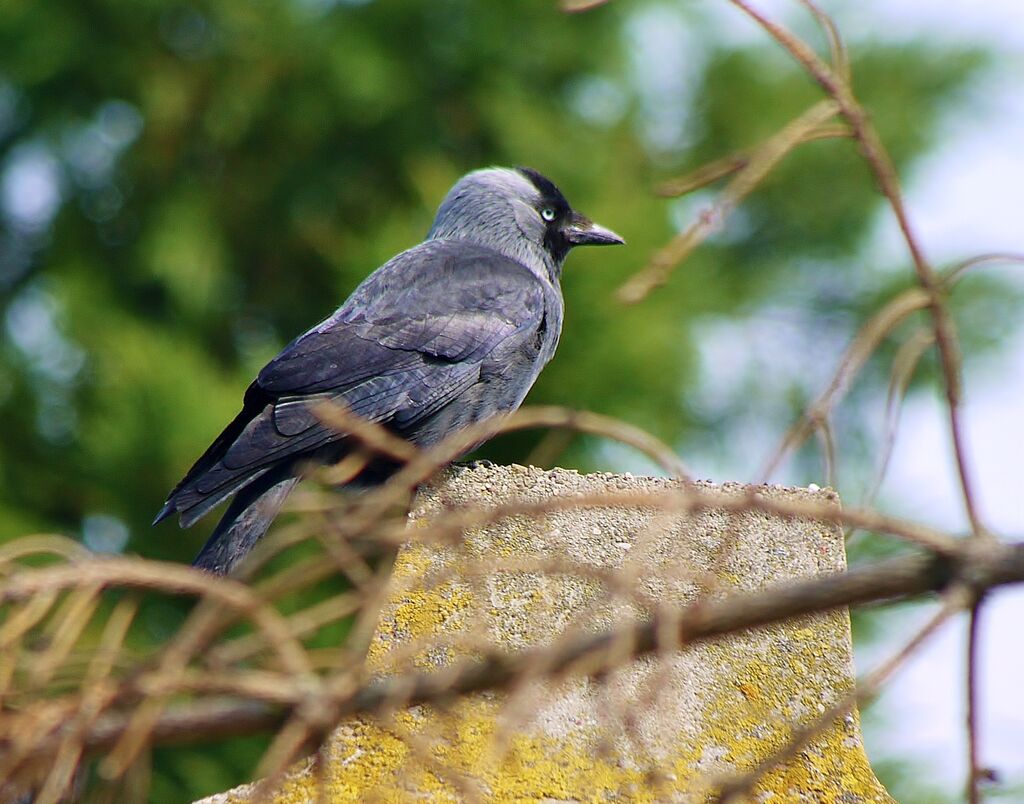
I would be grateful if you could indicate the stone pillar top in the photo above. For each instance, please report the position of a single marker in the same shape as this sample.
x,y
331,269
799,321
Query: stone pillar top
x,y
659,728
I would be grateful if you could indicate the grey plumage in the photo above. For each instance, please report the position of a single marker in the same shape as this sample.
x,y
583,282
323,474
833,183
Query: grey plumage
x,y
445,334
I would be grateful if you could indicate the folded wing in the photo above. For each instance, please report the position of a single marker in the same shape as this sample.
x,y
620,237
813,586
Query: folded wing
x,y
410,341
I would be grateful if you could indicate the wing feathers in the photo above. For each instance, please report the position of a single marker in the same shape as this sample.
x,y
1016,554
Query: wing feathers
x,y
392,357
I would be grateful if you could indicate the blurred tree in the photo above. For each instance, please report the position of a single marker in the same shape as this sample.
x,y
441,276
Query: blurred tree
x,y
186,186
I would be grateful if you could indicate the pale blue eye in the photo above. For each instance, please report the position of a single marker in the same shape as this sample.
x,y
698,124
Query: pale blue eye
x,y
548,214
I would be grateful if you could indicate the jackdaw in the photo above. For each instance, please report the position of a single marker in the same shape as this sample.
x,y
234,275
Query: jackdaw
x,y
443,335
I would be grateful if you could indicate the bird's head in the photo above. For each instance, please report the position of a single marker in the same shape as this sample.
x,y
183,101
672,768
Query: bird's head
x,y
519,213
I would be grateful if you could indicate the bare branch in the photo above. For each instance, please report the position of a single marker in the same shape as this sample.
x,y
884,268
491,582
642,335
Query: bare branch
x,y
988,566
878,159
575,6
728,165
759,164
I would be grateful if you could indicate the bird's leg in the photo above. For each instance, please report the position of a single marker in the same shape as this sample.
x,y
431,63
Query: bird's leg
x,y
481,463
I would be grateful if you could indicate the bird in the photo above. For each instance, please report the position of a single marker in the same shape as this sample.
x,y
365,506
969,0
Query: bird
x,y
443,335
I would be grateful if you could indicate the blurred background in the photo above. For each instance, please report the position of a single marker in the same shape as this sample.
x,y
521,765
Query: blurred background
x,y
184,187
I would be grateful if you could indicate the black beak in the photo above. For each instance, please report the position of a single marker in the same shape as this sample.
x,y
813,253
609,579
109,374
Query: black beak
x,y
582,231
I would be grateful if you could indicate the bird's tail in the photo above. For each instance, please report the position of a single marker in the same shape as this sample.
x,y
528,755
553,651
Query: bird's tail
x,y
242,525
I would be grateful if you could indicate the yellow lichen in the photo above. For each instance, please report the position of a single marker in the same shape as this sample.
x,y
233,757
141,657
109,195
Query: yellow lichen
x,y
741,725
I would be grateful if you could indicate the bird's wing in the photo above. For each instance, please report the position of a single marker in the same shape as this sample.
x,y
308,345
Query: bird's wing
x,y
449,300
409,336
410,340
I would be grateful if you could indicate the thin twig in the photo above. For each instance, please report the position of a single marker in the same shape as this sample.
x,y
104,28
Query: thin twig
x,y
728,165
974,768
866,342
758,165
958,271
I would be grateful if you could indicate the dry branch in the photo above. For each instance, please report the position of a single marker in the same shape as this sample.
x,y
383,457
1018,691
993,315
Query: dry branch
x,y
753,170
978,567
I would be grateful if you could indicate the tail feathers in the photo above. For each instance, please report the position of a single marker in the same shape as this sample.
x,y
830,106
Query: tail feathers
x,y
168,509
256,402
194,503
244,523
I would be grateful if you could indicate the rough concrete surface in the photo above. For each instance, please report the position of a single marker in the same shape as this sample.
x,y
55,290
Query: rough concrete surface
x,y
659,729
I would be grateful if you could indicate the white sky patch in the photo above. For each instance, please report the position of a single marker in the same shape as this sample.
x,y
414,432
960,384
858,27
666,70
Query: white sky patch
x,y
924,705
967,196
30,187
666,62
995,23
103,533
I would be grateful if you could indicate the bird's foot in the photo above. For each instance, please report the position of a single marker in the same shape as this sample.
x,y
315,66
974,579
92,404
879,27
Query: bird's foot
x,y
483,463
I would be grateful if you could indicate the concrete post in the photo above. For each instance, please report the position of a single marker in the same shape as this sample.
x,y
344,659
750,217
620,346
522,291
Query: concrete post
x,y
660,728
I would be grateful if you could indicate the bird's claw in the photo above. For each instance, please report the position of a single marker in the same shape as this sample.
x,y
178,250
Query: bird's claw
x,y
482,463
